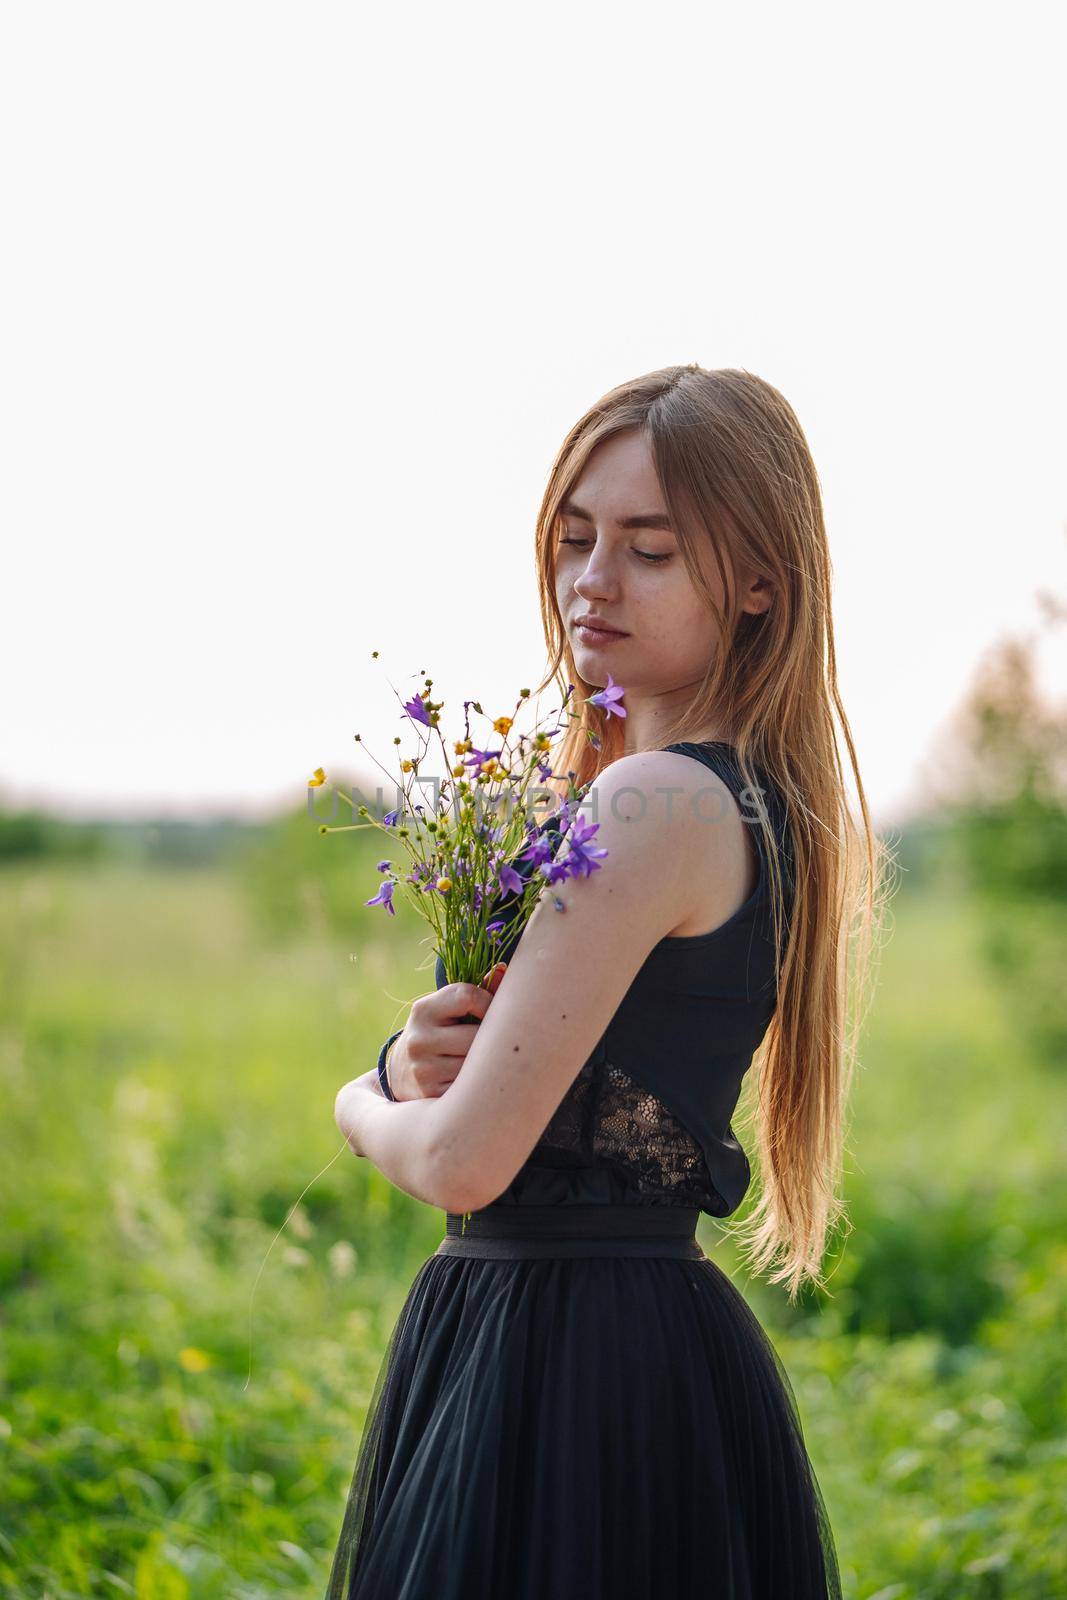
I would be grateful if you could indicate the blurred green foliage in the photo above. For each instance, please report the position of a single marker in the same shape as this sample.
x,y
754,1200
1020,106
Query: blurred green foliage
x,y
298,879
31,835
178,1010
169,1073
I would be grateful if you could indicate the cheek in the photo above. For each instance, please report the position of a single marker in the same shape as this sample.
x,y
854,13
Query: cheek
x,y
677,616
567,566
668,592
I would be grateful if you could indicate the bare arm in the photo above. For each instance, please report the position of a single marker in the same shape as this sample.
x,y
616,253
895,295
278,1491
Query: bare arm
x,y
399,1136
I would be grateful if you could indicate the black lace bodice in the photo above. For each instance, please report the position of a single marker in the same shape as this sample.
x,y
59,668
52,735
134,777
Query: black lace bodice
x,y
606,1116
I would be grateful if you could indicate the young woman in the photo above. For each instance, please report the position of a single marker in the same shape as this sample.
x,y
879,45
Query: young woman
x,y
575,1402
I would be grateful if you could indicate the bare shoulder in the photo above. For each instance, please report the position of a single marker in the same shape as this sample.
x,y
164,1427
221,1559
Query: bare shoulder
x,y
693,833
659,778
676,795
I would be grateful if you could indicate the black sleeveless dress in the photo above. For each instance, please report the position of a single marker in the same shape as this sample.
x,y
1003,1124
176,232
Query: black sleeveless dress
x,y
575,1403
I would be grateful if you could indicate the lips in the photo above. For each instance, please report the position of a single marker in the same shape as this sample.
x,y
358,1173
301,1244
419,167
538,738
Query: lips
x,y
594,625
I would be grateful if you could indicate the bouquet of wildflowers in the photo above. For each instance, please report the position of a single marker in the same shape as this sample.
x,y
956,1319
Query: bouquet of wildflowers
x,y
461,873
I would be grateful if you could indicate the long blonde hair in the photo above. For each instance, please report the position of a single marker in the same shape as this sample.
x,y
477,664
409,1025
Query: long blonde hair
x,y
737,476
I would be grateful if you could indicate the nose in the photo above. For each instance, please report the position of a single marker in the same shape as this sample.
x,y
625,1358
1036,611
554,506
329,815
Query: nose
x,y
596,580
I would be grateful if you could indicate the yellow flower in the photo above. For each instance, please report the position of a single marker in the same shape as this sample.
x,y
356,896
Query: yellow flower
x,y
444,884
502,724
194,1360
317,777
405,766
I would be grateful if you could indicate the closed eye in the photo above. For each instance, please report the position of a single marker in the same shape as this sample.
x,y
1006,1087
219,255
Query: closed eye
x,y
646,555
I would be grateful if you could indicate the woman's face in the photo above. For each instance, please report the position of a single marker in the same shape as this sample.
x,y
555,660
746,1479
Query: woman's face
x,y
618,558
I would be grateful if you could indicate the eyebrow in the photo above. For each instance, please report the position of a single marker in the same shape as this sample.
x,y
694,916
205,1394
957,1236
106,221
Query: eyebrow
x,y
650,519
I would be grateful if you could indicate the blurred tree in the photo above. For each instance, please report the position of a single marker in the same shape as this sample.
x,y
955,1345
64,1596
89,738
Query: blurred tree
x,y
1003,782
30,836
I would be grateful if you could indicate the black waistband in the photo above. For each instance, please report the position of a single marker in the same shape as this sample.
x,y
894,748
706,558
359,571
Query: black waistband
x,y
517,1232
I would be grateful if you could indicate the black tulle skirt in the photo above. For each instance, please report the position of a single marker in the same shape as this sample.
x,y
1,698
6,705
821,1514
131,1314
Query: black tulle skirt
x,y
576,1403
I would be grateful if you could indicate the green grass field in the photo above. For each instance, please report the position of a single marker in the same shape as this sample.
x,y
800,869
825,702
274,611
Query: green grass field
x,y
169,1069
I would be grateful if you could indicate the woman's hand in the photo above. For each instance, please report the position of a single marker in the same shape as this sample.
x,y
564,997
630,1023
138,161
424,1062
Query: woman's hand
x,y
430,1052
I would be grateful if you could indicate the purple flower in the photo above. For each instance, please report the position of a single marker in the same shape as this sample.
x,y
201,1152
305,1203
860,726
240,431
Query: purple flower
x,y
389,820
479,758
493,929
417,711
608,697
510,881
384,897
383,866
538,850
580,856
554,871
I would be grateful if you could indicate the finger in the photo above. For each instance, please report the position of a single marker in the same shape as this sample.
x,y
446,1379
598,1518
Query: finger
x,y
493,977
453,1042
470,999
444,1075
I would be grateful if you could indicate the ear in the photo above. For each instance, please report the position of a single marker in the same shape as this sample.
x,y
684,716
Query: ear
x,y
758,595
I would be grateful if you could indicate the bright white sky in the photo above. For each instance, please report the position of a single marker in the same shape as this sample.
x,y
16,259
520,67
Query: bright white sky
x,y
299,302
